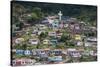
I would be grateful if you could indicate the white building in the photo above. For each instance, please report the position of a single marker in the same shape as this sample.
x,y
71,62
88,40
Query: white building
x,y
33,41
74,53
52,33
91,41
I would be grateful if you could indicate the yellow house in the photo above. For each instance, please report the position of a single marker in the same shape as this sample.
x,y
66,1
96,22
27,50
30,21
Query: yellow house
x,y
77,37
46,41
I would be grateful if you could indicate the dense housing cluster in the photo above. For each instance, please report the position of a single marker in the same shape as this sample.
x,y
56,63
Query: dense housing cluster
x,y
54,39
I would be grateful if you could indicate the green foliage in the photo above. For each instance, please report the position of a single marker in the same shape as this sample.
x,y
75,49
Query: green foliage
x,y
20,46
22,14
43,35
88,58
88,34
65,37
69,44
36,13
60,46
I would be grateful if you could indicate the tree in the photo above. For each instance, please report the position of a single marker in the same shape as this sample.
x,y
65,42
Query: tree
x,y
71,44
17,13
60,46
90,34
65,37
43,35
24,46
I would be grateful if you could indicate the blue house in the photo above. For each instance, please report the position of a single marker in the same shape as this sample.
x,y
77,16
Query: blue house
x,y
28,52
19,52
55,59
55,24
53,41
55,52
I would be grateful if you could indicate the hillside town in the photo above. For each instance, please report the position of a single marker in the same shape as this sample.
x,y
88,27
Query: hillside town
x,y
56,39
